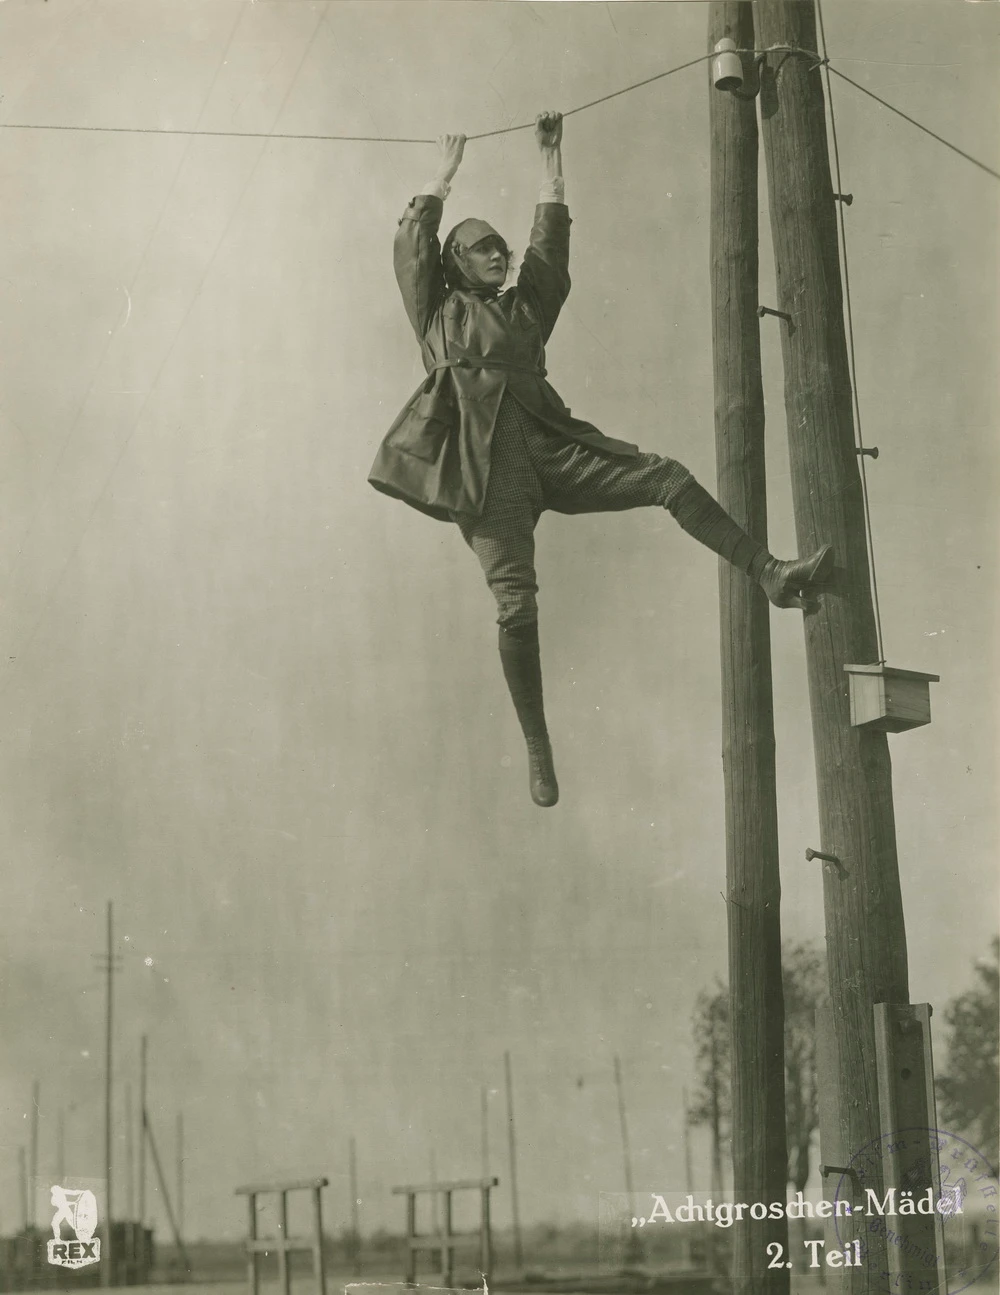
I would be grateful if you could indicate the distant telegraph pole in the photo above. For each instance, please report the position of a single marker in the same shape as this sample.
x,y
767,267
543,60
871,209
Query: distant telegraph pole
x,y
355,1207
129,1155
688,1171
33,1181
623,1123
61,1145
484,1129
108,1265
109,965
512,1148
22,1166
165,1193
180,1173
142,1131
633,1250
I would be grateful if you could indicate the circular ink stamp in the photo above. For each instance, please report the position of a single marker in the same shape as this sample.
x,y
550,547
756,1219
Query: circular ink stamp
x,y
902,1229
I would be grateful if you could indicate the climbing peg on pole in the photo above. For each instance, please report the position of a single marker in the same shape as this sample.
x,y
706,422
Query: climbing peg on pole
x,y
766,310
818,854
826,1170
870,451
845,198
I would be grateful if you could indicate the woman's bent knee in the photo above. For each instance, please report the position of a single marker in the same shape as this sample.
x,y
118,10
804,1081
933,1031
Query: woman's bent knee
x,y
516,613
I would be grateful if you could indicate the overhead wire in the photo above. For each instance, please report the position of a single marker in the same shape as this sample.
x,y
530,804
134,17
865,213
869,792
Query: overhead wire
x,y
370,139
913,122
604,98
818,60
358,139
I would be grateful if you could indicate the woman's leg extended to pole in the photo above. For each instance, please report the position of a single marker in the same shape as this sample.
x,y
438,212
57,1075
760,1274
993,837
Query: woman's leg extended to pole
x,y
786,584
580,480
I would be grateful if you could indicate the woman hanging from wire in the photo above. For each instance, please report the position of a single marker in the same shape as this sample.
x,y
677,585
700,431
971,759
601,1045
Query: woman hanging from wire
x,y
486,443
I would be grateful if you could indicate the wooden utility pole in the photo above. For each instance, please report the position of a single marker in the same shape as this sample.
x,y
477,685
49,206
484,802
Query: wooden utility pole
x,y
484,1129
129,1156
142,1131
22,1166
753,887
161,1179
623,1125
131,1239
180,1173
33,1179
512,1148
107,1254
688,1169
61,1146
355,1206
865,937
633,1249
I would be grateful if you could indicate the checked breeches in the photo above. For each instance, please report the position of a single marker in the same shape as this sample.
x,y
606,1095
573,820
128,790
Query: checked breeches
x,y
532,469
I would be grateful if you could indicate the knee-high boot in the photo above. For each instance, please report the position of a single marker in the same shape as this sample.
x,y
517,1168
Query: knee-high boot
x,y
787,584
522,669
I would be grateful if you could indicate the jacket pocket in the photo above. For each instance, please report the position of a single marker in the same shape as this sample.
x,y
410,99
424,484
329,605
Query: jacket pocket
x,y
423,427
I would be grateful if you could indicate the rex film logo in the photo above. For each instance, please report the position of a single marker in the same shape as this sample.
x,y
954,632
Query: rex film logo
x,y
77,1209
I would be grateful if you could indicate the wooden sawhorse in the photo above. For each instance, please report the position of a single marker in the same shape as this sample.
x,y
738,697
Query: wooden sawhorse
x,y
445,1240
284,1245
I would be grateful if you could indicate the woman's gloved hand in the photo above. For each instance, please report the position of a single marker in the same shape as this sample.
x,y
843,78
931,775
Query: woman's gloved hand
x,y
451,148
548,129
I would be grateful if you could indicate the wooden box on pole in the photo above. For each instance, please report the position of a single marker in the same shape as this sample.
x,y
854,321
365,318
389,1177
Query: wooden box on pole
x,y
886,698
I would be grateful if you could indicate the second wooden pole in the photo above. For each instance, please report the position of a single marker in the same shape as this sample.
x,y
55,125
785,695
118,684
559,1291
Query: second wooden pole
x,y
756,1004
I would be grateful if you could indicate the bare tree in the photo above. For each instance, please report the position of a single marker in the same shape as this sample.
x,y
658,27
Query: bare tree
x,y
802,976
969,1094
803,983
712,1103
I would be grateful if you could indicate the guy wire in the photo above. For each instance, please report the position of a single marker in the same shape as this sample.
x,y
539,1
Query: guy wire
x,y
850,338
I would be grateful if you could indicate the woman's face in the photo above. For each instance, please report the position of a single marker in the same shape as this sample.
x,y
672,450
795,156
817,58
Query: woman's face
x,y
488,261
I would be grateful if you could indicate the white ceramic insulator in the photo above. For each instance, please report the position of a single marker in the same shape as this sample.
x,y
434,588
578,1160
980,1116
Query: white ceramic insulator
x,y
727,69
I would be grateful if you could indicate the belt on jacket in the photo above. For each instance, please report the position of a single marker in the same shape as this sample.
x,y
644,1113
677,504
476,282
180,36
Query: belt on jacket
x,y
482,362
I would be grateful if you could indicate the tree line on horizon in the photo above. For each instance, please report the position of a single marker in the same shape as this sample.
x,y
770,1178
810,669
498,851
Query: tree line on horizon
x,y
968,1090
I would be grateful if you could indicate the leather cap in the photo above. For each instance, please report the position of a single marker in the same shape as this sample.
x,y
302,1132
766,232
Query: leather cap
x,y
470,232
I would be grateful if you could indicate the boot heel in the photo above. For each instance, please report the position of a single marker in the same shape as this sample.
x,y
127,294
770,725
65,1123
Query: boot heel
x,y
541,773
791,584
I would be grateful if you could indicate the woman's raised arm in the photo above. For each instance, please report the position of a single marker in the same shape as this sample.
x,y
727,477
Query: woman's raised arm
x,y
544,276
416,250
548,136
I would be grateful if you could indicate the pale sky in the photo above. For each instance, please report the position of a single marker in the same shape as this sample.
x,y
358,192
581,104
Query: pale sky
x,y
258,705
